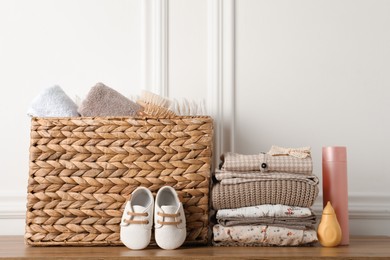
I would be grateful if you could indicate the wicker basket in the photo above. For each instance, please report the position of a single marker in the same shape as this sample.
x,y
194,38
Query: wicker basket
x,y
82,170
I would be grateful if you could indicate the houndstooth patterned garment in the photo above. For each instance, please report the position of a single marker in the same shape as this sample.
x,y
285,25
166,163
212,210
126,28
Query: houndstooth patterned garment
x,y
267,163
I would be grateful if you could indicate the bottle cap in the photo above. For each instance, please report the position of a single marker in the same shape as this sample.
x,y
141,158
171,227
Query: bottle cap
x,y
334,154
328,210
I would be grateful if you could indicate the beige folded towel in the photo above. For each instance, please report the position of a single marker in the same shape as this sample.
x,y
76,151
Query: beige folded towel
x,y
104,101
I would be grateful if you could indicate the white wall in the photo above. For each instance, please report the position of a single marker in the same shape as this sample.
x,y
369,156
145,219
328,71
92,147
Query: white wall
x,y
72,43
317,73
290,73
297,73
187,48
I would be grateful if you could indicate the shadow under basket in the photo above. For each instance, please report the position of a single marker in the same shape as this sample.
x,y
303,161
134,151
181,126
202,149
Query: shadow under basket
x,y
83,169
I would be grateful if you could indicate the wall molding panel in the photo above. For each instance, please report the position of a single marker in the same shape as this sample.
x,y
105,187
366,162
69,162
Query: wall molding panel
x,y
146,44
12,205
154,39
363,206
221,77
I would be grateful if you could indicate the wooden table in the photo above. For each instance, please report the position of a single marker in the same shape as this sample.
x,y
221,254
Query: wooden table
x,y
13,247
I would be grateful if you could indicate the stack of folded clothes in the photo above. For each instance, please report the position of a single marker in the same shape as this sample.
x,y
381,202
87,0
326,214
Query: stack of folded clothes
x,y
265,199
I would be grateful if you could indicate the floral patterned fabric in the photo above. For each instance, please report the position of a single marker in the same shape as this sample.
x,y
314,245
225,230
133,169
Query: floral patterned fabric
x,y
265,210
262,235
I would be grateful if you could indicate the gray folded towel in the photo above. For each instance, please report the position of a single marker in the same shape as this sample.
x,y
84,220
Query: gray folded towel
x,y
53,102
104,101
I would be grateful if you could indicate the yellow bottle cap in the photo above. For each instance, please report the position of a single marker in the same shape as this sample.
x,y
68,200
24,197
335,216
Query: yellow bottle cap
x,y
328,210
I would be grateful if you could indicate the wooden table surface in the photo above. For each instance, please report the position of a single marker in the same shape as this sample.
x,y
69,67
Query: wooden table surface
x,y
13,247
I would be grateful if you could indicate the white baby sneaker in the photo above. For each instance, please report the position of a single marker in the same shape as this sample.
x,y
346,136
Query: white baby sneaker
x,y
169,219
137,219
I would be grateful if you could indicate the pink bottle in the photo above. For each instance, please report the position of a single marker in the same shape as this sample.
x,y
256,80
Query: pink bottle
x,y
335,185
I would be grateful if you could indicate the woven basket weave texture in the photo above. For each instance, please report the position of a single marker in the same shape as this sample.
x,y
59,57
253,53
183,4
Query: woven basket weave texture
x,y
82,170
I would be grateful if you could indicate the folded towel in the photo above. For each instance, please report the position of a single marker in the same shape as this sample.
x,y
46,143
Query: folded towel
x,y
227,177
262,235
292,192
266,163
52,102
104,101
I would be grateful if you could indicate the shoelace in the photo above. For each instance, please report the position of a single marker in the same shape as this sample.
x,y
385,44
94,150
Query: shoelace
x,y
161,214
132,214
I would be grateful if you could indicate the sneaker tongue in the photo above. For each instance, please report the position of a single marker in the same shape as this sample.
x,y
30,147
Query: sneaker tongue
x,y
169,209
139,209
